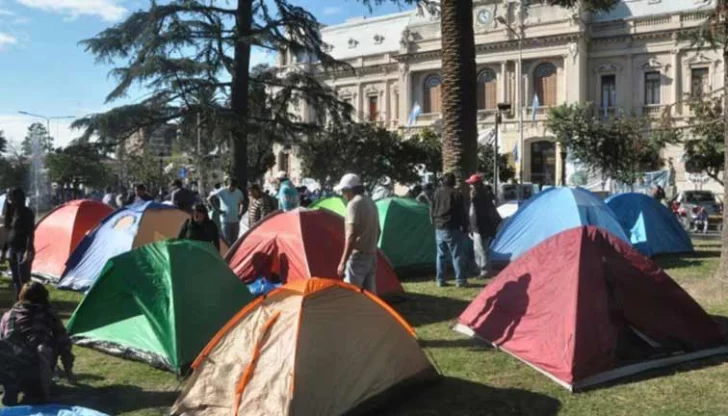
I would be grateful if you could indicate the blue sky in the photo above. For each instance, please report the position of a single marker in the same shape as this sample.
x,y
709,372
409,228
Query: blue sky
x,y
43,69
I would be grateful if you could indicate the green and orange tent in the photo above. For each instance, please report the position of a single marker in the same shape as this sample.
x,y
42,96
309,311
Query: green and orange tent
x,y
335,204
408,236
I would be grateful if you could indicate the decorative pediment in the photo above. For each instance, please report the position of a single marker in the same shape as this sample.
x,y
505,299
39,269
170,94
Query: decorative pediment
x,y
371,90
378,39
652,63
608,68
698,59
353,43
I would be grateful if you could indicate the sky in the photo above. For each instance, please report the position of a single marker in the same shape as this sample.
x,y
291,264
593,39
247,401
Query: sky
x,y
44,70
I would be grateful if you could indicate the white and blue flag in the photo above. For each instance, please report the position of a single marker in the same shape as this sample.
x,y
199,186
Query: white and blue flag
x,y
416,111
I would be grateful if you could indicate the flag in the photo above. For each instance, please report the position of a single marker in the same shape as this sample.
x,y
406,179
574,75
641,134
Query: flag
x,y
515,152
416,111
534,108
486,138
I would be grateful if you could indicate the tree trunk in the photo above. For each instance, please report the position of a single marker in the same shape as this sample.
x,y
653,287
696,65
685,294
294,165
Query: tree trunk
x,y
239,92
723,269
459,85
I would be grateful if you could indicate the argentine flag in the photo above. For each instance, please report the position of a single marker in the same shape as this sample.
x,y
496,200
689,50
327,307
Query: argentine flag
x,y
416,111
534,107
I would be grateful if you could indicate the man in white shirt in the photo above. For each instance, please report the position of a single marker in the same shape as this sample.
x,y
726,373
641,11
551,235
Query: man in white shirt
x,y
231,208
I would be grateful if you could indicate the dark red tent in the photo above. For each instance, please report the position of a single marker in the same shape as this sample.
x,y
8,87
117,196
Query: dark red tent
x,y
299,245
584,307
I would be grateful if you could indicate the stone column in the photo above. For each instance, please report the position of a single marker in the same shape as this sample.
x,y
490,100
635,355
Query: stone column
x,y
405,93
519,88
676,82
387,116
503,83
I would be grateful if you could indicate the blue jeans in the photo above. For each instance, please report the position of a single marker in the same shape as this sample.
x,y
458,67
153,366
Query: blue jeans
x,y
450,247
19,271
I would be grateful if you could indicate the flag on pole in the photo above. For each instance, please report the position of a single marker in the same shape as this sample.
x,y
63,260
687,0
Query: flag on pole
x,y
536,104
416,111
515,152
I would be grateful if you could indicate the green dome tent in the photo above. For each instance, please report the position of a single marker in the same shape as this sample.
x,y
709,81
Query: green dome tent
x,y
159,304
336,204
408,237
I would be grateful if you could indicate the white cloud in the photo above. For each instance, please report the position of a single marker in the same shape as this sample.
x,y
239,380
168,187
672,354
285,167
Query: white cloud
x,y
108,10
15,126
261,56
332,10
6,39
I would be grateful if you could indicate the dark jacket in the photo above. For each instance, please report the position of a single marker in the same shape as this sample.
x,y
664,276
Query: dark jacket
x,y
484,217
133,197
448,209
21,224
207,231
183,199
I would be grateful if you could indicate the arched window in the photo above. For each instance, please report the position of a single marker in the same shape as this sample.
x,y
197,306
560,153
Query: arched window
x,y
487,90
432,103
544,84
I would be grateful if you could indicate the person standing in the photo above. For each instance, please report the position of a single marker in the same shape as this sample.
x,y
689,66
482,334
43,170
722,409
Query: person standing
x,y
214,203
483,221
448,216
260,205
199,227
140,195
358,265
109,198
288,198
19,249
182,197
231,207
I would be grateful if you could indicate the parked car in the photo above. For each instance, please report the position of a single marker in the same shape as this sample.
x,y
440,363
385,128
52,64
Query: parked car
x,y
686,205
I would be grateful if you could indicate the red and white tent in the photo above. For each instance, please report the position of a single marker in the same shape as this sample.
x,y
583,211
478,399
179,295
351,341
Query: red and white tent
x,y
584,308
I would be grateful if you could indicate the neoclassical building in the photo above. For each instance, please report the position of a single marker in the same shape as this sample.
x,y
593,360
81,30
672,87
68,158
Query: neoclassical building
x,y
630,60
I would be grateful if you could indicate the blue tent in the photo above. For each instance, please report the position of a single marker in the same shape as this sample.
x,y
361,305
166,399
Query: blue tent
x,y
651,226
547,214
125,229
49,410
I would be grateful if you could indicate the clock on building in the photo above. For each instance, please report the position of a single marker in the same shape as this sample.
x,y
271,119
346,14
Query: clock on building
x,y
485,17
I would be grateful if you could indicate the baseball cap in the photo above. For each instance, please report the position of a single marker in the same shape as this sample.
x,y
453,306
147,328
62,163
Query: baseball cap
x,y
348,181
473,179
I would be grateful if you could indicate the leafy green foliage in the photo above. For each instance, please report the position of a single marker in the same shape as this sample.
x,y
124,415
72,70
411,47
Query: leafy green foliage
x,y
14,172
485,165
3,142
428,146
620,148
145,168
78,163
37,133
374,153
705,146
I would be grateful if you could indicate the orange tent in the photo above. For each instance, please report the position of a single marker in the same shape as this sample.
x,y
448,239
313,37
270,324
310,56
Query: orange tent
x,y
60,231
298,245
313,347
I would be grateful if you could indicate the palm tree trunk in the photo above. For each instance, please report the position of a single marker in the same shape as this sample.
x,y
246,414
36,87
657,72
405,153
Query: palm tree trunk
x,y
723,268
459,109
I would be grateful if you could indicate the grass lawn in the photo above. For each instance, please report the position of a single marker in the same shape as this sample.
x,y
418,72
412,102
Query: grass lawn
x,y
478,380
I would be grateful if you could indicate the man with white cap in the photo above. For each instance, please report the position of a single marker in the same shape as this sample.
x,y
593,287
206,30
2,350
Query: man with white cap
x,y
358,264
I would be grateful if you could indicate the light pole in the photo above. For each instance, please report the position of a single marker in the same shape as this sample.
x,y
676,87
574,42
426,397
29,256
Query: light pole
x,y
36,176
519,93
502,107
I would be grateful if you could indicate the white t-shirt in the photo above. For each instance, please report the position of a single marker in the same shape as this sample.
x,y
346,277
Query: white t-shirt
x,y
230,203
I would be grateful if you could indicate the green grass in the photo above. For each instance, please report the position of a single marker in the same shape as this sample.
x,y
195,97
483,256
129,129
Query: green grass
x,y
478,380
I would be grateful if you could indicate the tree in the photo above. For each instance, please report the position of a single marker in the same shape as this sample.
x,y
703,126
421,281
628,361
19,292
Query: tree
x,y
705,147
375,153
427,146
78,163
3,142
620,148
146,168
14,171
37,140
179,47
485,165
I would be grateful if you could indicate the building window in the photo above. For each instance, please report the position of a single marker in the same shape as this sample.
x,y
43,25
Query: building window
x,y
284,162
487,90
544,78
698,83
652,88
609,91
432,101
373,110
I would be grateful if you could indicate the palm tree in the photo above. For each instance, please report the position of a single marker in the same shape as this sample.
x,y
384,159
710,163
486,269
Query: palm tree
x,y
459,85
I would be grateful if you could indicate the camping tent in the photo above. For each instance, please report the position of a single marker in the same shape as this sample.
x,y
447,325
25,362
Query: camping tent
x,y
408,237
584,308
298,245
651,226
313,347
127,228
160,303
60,232
547,214
49,410
336,204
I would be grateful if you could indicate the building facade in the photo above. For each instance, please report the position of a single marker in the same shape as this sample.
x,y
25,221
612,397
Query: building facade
x,y
631,60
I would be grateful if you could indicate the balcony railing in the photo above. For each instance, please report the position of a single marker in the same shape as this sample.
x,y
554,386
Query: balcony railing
x,y
428,118
653,110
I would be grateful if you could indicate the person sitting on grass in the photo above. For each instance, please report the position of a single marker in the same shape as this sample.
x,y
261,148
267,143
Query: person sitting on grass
x,y
35,330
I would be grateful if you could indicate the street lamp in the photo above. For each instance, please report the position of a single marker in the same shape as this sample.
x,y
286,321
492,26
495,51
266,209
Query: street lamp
x,y
36,176
519,88
502,108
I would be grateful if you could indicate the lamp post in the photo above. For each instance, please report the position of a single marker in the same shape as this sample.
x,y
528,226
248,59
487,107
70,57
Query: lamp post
x,y
502,107
36,176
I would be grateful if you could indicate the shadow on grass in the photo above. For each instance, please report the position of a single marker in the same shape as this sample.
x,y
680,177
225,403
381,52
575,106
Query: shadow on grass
x,y
64,308
422,309
454,396
472,344
115,399
675,261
